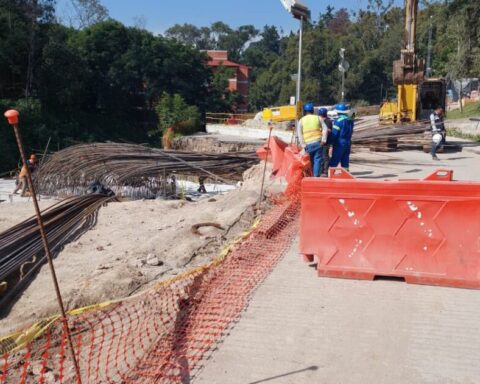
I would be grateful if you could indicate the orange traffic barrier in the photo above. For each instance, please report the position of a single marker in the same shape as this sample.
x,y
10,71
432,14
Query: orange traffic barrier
x,y
286,159
277,148
425,231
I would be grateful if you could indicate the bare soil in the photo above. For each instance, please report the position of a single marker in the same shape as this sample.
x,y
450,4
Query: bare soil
x,y
133,245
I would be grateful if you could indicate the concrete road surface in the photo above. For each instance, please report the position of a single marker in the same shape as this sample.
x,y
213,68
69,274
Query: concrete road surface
x,y
300,328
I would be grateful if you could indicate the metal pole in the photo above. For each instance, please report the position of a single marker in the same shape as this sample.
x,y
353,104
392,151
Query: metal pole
x,y
343,86
260,198
46,247
429,52
299,72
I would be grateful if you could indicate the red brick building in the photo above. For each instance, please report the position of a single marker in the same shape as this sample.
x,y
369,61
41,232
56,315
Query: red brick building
x,y
239,82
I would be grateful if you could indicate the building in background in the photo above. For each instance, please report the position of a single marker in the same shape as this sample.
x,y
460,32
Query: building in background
x,y
239,82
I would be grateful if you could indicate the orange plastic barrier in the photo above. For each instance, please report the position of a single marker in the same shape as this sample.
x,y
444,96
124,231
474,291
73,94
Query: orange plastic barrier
x,y
425,231
286,159
277,148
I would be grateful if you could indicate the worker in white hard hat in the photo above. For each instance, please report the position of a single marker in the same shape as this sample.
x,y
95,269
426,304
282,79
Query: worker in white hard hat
x,y
439,133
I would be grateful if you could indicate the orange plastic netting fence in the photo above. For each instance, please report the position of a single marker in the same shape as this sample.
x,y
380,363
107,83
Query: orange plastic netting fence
x,y
163,335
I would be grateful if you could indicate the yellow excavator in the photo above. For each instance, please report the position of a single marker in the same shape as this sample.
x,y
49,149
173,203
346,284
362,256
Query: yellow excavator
x,y
416,94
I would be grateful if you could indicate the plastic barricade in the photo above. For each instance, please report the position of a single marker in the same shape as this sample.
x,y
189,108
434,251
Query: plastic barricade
x,y
277,149
425,231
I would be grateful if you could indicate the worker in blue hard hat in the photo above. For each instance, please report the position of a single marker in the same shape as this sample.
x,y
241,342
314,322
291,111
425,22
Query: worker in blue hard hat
x,y
342,137
327,125
312,137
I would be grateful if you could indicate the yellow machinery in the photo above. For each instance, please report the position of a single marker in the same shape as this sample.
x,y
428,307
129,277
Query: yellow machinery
x,y
283,113
416,95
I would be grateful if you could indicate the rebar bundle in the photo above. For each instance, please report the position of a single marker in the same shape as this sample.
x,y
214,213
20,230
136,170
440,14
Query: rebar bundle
x,y
370,133
117,165
21,248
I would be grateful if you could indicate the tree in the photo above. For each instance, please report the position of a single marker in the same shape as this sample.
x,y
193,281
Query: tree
x,y
340,22
191,35
260,54
87,13
174,112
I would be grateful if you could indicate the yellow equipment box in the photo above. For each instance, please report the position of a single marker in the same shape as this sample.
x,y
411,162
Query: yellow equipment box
x,y
283,113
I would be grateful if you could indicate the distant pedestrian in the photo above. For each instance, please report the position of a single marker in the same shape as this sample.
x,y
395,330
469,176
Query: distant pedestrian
x,y
327,125
201,184
439,133
342,132
22,183
309,133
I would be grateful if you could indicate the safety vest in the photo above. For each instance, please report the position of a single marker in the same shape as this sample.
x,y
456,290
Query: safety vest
x,y
311,129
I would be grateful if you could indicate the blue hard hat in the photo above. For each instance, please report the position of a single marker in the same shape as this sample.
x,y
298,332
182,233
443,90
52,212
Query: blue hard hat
x,y
323,112
308,107
342,108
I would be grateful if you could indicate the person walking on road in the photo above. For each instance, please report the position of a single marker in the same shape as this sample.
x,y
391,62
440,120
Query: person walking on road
x,y
309,133
327,126
439,133
342,132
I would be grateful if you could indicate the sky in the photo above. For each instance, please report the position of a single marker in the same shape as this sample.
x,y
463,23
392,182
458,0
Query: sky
x,y
159,15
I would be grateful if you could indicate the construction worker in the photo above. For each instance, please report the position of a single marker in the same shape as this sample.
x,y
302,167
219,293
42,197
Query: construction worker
x,y
167,138
201,183
309,133
22,183
342,137
439,133
327,126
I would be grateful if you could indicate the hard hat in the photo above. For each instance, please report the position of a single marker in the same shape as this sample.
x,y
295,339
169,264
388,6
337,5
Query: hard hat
x,y
342,109
323,112
308,107
437,138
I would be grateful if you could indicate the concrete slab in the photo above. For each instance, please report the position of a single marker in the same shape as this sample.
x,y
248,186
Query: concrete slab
x,y
247,132
300,328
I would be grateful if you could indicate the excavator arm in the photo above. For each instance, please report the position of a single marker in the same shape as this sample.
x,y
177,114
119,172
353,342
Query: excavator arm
x,y
409,69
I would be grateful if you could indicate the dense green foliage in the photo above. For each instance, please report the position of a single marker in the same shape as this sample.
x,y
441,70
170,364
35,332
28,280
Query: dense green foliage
x,y
99,80
173,111
372,38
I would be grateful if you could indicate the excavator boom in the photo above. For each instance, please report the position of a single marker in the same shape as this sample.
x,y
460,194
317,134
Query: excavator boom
x,y
409,69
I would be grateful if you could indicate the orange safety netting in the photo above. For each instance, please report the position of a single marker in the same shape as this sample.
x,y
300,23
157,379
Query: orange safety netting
x,y
161,336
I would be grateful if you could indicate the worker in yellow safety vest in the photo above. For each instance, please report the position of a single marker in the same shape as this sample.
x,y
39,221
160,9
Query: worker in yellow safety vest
x,y
312,135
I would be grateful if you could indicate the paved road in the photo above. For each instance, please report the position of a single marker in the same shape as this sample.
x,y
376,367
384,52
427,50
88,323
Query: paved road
x,y
300,328
417,164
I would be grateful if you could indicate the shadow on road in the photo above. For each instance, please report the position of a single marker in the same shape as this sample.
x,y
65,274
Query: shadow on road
x,y
311,368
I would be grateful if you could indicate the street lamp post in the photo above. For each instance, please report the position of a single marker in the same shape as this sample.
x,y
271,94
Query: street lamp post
x,y
301,13
343,67
299,71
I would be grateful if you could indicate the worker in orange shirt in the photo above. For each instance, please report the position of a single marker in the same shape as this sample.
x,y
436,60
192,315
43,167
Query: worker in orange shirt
x,y
22,182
